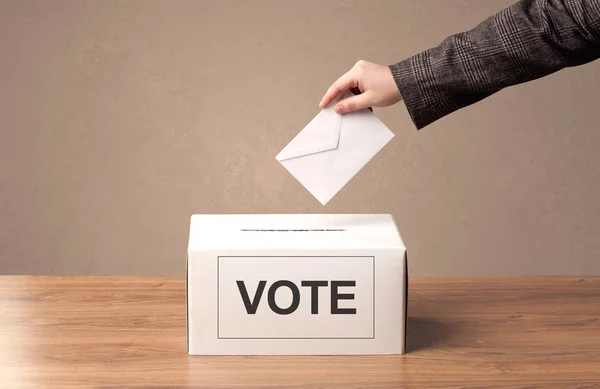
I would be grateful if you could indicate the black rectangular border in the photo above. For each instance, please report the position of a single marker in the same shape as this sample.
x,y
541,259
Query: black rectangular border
x,y
295,256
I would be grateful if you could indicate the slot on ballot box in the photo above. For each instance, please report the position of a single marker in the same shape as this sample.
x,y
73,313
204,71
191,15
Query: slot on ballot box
x,y
311,284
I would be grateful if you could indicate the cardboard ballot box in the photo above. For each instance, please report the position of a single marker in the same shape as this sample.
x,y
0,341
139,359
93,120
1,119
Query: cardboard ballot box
x,y
296,284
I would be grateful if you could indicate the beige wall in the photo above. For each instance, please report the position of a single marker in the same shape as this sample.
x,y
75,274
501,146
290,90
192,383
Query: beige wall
x,y
119,119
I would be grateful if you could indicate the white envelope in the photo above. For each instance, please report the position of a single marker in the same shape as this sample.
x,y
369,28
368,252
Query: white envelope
x,y
332,149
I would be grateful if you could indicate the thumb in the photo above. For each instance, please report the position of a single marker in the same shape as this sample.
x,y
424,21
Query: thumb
x,y
353,103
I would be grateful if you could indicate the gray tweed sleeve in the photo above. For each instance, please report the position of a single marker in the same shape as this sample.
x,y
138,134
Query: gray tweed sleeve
x,y
526,41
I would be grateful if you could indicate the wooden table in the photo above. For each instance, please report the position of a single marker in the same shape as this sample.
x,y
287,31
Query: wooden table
x,y
129,332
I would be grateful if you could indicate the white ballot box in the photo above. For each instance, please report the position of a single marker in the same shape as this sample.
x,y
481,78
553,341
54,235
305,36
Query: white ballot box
x,y
296,285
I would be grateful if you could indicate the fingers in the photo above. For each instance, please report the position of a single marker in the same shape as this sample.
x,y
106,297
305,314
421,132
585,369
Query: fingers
x,y
353,103
357,91
345,82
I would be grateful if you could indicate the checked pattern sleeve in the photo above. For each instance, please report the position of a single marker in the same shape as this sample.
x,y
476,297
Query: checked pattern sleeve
x,y
526,41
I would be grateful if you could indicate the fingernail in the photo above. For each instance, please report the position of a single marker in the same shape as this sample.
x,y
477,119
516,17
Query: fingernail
x,y
338,109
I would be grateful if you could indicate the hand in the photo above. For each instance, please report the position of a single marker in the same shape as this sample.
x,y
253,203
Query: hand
x,y
375,83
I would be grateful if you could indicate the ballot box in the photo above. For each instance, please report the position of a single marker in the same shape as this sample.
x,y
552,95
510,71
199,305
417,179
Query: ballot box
x,y
306,284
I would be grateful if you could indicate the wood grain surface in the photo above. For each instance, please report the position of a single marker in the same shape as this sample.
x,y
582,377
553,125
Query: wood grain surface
x,y
130,333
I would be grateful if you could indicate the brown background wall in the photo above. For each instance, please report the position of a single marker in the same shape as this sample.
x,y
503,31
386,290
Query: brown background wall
x,y
119,119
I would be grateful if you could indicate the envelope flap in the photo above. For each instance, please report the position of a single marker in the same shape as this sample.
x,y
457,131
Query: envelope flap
x,y
321,134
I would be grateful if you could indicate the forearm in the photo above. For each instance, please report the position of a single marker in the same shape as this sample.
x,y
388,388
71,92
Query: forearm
x,y
529,40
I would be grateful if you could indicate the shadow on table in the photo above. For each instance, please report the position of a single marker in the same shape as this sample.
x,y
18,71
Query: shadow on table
x,y
425,333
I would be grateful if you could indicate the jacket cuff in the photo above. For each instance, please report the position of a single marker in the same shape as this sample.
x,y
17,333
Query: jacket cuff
x,y
411,80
